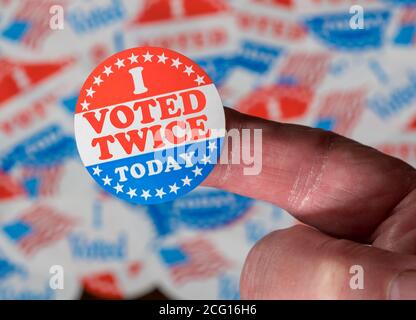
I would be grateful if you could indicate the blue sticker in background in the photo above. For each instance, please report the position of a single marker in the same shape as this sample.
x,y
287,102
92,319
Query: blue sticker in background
x,y
257,57
201,210
40,159
48,147
69,102
218,67
388,104
16,30
335,31
400,2
9,268
229,287
406,35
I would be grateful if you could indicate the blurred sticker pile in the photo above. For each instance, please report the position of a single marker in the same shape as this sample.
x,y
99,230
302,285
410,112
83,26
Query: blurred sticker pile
x,y
306,62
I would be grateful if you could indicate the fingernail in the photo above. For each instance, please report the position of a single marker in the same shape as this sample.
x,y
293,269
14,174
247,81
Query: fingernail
x,y
403,286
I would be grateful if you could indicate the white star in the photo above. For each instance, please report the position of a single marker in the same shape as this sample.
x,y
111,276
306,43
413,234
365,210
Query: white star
x,y
174,188
205,159
132,193
212,146
90,92
107,180
97,171
97,80
186,181
133,58
175,63
118,188
85,105
107,70
146,194
160,193
199,80
197,171
188,70
162,58
147,56
119,63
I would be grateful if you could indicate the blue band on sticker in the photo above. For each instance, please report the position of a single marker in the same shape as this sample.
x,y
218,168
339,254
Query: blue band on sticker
x,y
155,176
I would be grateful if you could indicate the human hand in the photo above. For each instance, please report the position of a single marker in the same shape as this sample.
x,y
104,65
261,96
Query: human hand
x,y
358,206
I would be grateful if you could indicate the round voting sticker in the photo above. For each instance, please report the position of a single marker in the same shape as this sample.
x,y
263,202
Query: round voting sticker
x,y
149,125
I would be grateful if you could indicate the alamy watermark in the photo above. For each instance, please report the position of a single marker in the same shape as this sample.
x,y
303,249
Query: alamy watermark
x,y
357,20
57,19
357,278
239,147
56,280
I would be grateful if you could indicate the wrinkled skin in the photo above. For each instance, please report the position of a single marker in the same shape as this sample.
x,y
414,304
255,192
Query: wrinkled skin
x,y
357,206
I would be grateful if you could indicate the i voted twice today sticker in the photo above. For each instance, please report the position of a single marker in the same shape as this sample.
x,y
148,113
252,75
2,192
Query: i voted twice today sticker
x,y
149,125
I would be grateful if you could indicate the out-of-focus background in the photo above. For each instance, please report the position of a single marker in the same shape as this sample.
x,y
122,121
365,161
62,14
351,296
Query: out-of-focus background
x,y
346,66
